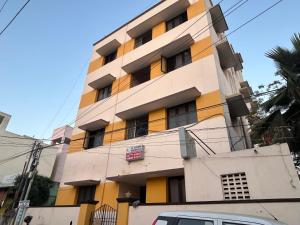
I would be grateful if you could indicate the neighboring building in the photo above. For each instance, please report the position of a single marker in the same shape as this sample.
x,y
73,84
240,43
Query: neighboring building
x,y
11,144
169,67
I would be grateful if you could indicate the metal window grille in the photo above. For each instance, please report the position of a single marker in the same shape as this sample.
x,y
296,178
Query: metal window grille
x,y
235,186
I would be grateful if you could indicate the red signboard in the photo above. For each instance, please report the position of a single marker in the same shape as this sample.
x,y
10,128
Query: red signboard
x,y
135,153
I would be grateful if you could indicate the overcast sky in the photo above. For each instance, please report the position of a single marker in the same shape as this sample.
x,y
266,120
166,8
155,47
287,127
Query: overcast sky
x,y
44,54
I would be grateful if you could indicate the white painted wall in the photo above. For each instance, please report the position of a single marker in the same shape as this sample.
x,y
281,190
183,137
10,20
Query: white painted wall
x,y
162,152
270,174
285,212
53,215
16,145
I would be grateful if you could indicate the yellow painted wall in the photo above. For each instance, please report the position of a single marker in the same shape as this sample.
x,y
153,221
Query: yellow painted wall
x,y
121,84
111,193
66,196
115,132
84,217
123,212
202,49
77,142
204,103
157,120
196,9
155,69
157,190
125,48
158,30
88,99
96,64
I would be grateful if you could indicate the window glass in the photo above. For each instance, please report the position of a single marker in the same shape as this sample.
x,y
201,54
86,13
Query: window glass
x,y
104,93
179,60
194,222
176,21
182,115
110,57
137,127
229,223
140,76
86,194
94,138
143,39
176,189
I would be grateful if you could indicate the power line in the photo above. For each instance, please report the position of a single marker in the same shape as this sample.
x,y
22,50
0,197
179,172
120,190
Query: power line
x,y
10,22
93,106
248,21
3,5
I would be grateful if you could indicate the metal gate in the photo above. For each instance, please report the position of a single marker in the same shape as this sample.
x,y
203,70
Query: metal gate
x,y
105,215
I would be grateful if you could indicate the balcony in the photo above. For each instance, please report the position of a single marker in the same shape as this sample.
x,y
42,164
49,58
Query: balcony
x,y
218,19
179,86
228,58
246,91
94,125
237,106
108,47
153,50
162,12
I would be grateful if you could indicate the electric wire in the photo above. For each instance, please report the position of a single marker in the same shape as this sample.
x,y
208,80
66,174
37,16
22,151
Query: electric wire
x,y
12,20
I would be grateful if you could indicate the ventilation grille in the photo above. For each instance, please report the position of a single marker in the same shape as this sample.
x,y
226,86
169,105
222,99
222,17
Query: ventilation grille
x,y
235,186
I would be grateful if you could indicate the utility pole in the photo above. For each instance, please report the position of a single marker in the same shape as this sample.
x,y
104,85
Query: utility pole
x,y
23,202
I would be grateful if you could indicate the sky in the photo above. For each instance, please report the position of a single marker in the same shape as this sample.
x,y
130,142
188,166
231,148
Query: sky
x,y
45,52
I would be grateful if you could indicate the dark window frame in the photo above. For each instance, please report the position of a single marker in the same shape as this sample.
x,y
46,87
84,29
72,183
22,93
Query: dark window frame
x,y
143,39
181,189
104,92
176,21
137,127
179,60
86,194
1,119
199,221
110,57
190,116
90,140
140,76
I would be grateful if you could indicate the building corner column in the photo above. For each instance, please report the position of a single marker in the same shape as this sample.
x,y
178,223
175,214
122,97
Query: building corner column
x,y
123,210
85,213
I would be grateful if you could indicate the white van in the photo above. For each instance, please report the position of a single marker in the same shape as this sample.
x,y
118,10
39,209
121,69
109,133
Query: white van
x,y
209,218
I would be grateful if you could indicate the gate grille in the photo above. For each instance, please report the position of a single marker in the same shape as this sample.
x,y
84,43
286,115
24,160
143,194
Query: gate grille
x,y
105,215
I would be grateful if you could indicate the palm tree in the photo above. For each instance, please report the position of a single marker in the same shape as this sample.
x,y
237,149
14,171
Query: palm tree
x,y
282,110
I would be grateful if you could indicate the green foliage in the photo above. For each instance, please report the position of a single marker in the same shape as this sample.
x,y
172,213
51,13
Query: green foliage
x,y
40,190
278,116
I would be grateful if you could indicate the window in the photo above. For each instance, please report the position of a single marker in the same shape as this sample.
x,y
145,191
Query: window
x,y
235,186
179,60
94,139
176,21
182,115
86,194
140,76
104,93
176,189
194,222
1,119
110,57
229,223
137,127
143,39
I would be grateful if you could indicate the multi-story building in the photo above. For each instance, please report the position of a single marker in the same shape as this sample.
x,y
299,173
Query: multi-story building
x,y
169,67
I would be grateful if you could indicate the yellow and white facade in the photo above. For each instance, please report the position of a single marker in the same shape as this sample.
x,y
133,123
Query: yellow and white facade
x,y
211,80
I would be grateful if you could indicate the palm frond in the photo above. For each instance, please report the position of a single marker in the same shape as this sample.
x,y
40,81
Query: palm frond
x,y
281,99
